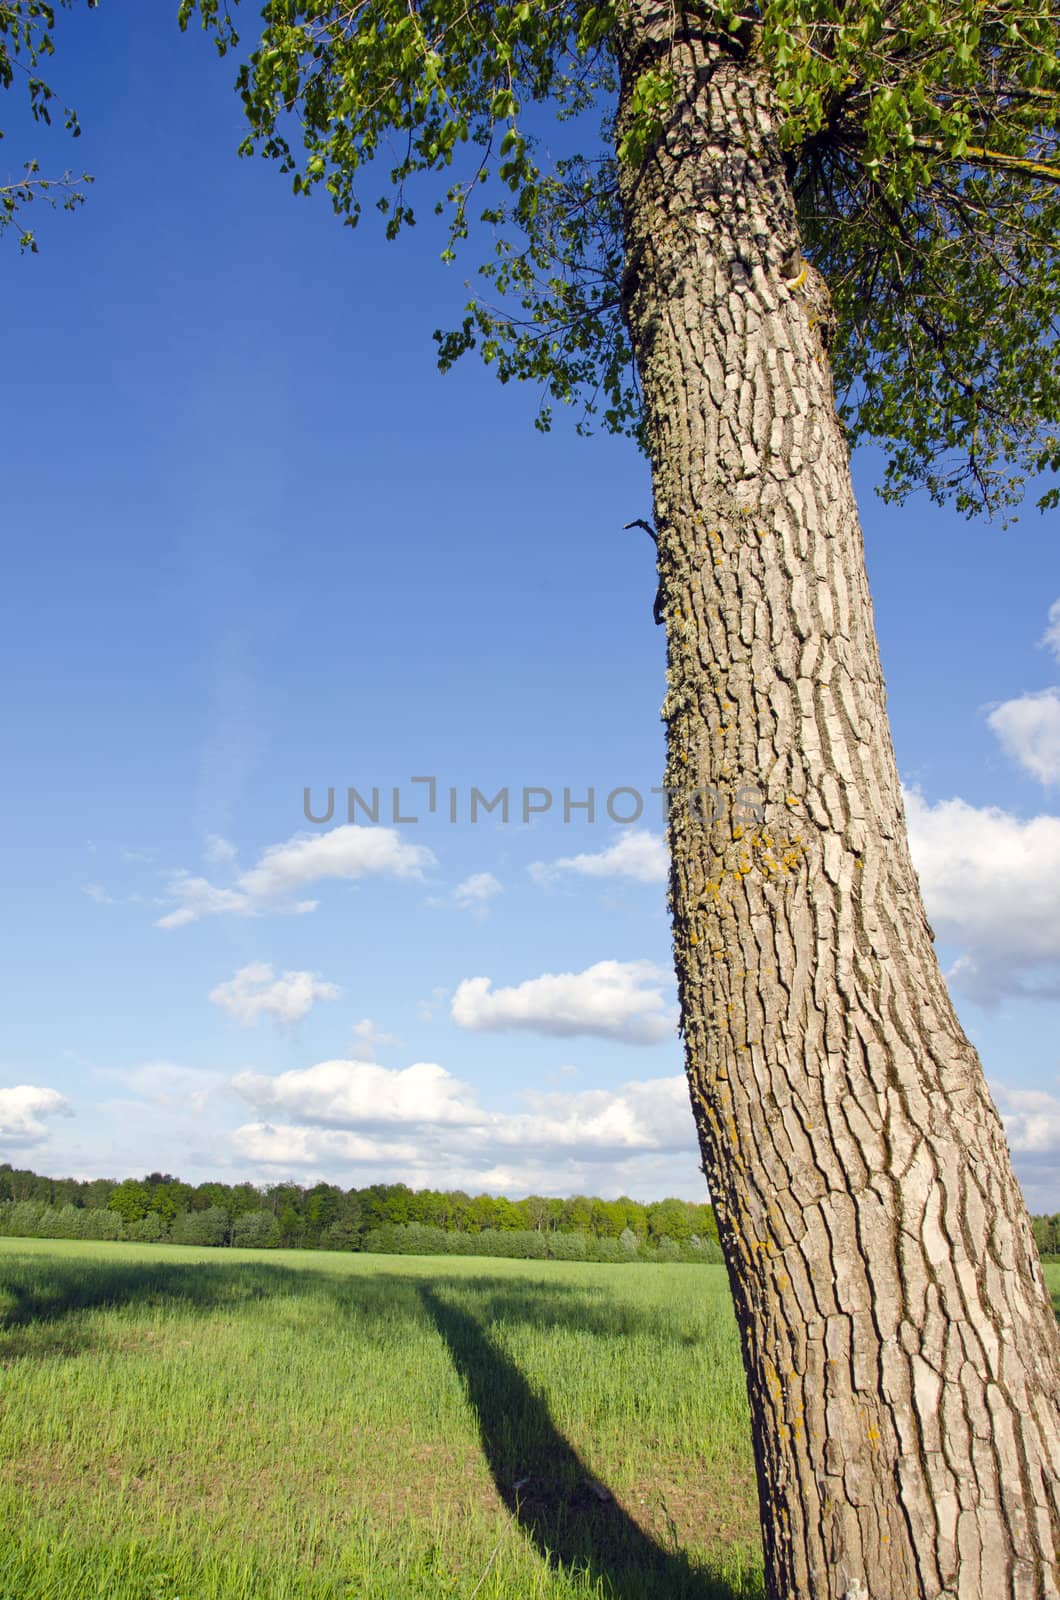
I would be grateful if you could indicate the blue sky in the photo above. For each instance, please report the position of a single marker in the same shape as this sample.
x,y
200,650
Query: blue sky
x,y
256,542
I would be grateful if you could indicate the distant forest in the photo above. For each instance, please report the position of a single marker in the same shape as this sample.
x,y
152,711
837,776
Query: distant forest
x,y
385,1217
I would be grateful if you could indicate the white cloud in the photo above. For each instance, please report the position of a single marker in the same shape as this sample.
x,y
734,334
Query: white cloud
x,y
349,1112
361,1093
1051,637
1031,1118
1029,731
199,898
367,1039
476,891
613,1000
634,854
218,849
989,881
255,992
21,1109
1032,1126
283,1147
651,1115
348,852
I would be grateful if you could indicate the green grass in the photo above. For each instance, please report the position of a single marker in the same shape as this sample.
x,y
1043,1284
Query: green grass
x,y
180,1425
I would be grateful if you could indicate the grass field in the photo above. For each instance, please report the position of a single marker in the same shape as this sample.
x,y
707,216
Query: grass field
x,y
180,1425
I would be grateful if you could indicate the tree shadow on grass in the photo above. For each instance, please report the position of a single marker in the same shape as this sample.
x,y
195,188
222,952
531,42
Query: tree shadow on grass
x,y
571,1519
44,1307
46,1301
38,1291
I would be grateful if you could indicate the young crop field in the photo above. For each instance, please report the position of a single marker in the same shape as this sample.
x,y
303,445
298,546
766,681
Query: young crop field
x,y
175,1426
304,1424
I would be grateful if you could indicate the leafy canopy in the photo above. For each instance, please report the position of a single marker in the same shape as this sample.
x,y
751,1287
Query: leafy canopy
x,y
26,28
921,139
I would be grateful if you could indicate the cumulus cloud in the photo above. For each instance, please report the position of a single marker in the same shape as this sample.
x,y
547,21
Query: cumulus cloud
x,y
1051,637
647,1115
476,891
284,1146
255,992
1029,731
348,852
350,1112
22,1109
635,854
1031,1118
989,883
1032,1126
361,1093
614,1000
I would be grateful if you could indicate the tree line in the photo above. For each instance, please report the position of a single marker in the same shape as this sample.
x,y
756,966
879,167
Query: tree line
x,y
384,1217
1046,1232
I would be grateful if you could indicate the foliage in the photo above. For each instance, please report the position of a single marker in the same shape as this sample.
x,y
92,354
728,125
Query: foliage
x,y
26,29
130,1200
922,146
1046,1232
921,142
209,1227
148,1229
256,1230
444,1222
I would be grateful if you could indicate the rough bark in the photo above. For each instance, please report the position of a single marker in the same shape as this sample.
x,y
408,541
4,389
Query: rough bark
x,y
902,1356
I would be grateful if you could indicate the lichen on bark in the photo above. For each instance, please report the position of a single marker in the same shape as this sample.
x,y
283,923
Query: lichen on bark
x,y
901,1350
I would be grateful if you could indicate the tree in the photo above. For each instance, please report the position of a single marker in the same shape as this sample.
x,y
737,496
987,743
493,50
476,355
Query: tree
x,y
789,192
902,1357
209,1226
130,1200
255,1230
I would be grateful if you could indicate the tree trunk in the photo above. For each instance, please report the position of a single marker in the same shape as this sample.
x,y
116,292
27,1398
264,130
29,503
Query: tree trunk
x,y
902,1356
